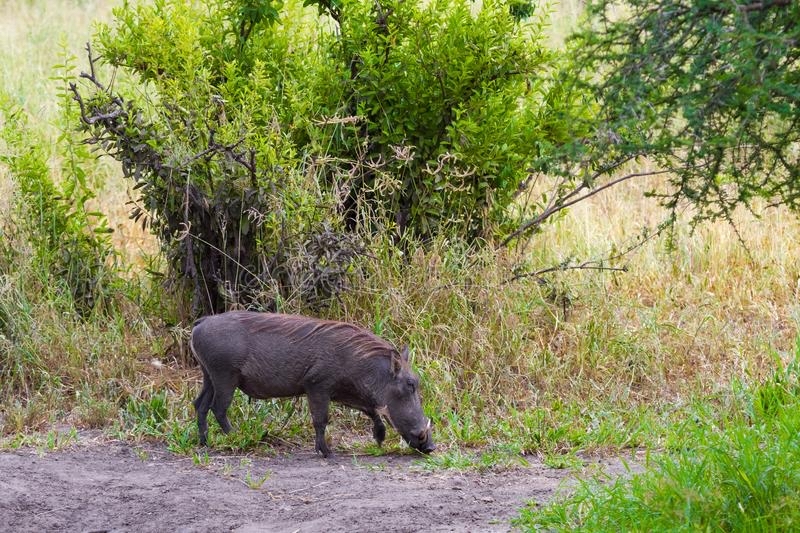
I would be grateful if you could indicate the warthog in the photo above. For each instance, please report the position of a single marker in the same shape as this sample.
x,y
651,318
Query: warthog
x,y
277,356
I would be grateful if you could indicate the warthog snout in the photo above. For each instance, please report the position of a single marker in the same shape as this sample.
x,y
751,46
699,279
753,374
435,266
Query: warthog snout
x,y
426,444
422,440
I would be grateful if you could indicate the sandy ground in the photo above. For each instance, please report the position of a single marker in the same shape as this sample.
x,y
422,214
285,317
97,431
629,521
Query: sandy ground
x,y
115,486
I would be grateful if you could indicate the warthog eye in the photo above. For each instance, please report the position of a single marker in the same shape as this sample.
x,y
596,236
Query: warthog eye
x,y
411,384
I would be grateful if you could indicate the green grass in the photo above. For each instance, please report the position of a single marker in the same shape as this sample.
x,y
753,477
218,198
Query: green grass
x,y
48,441
737,473
488,458
168,415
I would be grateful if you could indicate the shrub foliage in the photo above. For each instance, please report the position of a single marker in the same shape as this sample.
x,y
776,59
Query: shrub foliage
x,y
263,138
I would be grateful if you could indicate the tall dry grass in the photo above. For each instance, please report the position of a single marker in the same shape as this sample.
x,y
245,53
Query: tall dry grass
x,y
681,321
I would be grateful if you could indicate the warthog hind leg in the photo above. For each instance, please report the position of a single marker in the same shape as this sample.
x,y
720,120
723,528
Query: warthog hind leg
x,y
201,406
224,387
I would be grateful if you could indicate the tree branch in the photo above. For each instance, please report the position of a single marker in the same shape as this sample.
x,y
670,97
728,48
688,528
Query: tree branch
x,y
588,265
534,223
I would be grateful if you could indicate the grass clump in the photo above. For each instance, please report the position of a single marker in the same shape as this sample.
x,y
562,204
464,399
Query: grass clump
x,y
737,474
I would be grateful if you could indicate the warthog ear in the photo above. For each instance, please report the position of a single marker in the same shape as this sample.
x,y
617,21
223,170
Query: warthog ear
x,y
404,353
397,363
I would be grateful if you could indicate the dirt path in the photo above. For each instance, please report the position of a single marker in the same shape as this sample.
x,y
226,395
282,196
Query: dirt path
x,y
118,487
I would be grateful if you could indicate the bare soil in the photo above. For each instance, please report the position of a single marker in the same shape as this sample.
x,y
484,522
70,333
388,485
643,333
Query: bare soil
x,y
117,486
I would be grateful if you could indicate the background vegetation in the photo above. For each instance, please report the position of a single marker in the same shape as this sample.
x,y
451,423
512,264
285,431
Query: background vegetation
x,y
512,363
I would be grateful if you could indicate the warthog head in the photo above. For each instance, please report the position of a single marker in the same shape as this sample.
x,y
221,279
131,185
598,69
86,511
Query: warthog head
x,y
403,409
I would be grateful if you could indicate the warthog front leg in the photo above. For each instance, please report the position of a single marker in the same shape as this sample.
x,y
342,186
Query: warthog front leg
x,y
378,427
318,405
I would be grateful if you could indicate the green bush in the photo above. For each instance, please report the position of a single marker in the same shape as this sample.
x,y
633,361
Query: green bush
x,y
61,282
221,182
446,103
263,138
